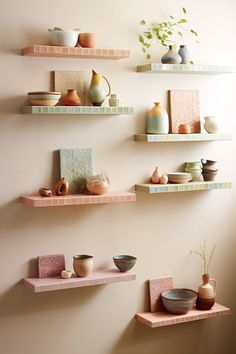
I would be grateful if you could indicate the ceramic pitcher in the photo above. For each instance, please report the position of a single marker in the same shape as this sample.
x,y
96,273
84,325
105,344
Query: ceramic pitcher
x,y
209,165
96,92
206,293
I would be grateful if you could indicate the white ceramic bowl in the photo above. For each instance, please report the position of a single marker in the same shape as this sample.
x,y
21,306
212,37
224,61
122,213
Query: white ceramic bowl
x,y
63,38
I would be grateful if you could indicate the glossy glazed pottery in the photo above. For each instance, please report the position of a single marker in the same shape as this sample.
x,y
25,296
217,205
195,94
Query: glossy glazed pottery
x,y
114,100
206,293
87,40
156,176
71,98
66,274
96,92
171,57
124,262
184,129
179,177
44,98
184,54
83,265
157,120
211,124
45,192
98,183
178,301
62,187
63,38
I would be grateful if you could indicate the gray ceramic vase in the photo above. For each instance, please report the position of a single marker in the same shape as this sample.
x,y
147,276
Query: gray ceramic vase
x,y
184,54
171,57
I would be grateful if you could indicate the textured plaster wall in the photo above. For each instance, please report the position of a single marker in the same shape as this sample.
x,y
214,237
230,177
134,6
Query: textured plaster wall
x,y
159,229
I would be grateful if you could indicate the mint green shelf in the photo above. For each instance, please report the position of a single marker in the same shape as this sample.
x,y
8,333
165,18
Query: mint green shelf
x,y
184,187
165,138
42,110
185,68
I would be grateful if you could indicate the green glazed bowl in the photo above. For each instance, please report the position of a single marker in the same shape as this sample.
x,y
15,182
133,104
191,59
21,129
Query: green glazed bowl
x,y
124,262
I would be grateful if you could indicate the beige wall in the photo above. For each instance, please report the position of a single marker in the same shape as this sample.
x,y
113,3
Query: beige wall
x,y
160,229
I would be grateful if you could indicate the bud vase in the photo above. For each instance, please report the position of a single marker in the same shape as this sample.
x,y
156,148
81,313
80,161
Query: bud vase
x,y
206,293
71,98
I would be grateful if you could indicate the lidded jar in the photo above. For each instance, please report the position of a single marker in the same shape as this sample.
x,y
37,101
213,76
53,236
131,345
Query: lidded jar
x,y
157,120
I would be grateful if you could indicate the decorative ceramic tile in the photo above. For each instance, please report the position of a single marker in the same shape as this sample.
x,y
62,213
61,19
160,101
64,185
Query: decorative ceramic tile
x,y
75,166
186,68
64,80
51,265
156,286
184,187
184,109
91,110
158,138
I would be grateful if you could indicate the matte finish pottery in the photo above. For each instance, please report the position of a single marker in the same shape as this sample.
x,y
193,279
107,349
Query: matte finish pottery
x,y
124,262
171,57
71,98
96,92
211,125
63,38
178,301
87,40
206,293
157,120
184,54
209,165
83,265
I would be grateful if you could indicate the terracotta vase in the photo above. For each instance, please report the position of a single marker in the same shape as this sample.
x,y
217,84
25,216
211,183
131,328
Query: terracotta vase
x,y
83,265
206,293
96,92
171,57
87,40
157,120
71,98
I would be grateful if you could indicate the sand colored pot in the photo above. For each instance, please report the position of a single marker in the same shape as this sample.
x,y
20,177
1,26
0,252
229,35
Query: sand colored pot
x,y
87,40
206,293
71,98
83,265
157,120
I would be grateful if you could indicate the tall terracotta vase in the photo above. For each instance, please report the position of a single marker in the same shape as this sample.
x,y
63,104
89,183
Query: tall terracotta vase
x,y
206,293
96,92
157,120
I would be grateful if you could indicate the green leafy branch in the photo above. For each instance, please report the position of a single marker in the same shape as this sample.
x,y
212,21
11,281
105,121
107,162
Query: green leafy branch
x,y
203,254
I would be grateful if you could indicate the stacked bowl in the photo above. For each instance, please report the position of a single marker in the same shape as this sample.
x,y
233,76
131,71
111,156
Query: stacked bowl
x,y
179,177
209,170
194,168
44,98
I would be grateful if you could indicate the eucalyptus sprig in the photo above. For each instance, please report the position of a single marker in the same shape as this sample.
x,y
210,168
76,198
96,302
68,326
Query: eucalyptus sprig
x,y
203,254
165,33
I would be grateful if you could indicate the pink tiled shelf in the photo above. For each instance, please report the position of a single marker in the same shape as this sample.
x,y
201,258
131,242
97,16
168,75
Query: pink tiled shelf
x,y
78,199
75,52
100,277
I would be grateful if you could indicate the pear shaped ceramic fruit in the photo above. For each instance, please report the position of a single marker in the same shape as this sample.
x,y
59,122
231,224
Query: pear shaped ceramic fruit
x,y
163,179
62,187
156,176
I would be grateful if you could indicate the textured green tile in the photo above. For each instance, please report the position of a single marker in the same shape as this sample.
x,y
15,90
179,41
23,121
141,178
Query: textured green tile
x,y
75,166
76,110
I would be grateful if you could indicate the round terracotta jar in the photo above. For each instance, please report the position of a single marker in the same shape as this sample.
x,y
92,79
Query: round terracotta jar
x,y
83,265
71,98
87,40
184,129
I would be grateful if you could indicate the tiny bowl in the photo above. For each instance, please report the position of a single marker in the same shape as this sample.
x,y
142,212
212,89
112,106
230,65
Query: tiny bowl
x,y
178,301
124,262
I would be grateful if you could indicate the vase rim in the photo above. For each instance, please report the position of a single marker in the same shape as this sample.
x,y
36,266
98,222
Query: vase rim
x,y
157,103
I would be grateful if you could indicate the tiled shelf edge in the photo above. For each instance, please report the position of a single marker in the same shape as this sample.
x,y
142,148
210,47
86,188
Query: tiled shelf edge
x,y
75,52
42,110
161,318
184,187
99,277
80,199
156,138
185,68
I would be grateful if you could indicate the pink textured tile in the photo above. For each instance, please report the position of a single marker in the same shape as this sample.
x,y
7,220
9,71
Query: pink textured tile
x,y
156,286
50,265
184,109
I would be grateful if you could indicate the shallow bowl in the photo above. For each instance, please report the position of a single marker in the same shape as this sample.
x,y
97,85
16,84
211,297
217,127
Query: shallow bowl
x,y
124,262
178,301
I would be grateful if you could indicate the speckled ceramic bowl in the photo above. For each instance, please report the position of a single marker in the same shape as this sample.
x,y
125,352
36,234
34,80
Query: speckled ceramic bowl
x,y
124,262
178,301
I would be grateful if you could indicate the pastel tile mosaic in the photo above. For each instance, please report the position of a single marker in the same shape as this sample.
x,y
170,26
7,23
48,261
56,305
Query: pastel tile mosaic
x,y
40,110
186,68
185,187
151,138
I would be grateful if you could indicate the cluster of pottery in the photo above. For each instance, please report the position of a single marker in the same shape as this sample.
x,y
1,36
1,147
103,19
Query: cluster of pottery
x,y
172,57
60,37
157,177
194,168
83,265
209,170
180,301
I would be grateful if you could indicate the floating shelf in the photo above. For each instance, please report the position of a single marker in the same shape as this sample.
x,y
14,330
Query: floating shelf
x,y
185,69
79,199
75,52
166,138
183,187
101,277
162,318
42,110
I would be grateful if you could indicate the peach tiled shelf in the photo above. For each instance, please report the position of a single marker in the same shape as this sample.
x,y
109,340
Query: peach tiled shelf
x,y
162,318
100,277
75,52
42,110
156,138
183,187
185,68
79,199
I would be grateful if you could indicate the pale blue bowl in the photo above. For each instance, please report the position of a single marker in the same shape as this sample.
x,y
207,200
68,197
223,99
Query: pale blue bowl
x,y
178,301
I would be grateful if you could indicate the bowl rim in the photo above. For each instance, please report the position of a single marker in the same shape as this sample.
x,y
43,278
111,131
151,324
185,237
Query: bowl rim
x,y
82,256
126,258
191,290
44,93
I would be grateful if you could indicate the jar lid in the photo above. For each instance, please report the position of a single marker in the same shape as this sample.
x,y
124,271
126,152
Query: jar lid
x,y
114,95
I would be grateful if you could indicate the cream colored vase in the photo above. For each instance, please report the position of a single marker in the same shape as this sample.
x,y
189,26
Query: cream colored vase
x,y
206,293
83,265
157,120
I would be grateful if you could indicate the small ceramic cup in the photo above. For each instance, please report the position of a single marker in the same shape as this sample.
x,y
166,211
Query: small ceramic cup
x,y
87,40
66,274
83,265
184,129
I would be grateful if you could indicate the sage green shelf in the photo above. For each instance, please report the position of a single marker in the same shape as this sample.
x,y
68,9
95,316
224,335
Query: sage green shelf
x,y
42,110
166,138
185,68
184,187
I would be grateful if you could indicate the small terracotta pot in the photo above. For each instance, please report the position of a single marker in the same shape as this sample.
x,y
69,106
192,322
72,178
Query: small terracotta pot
x,y
71,98
83,265
62,187
184,129
87,40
